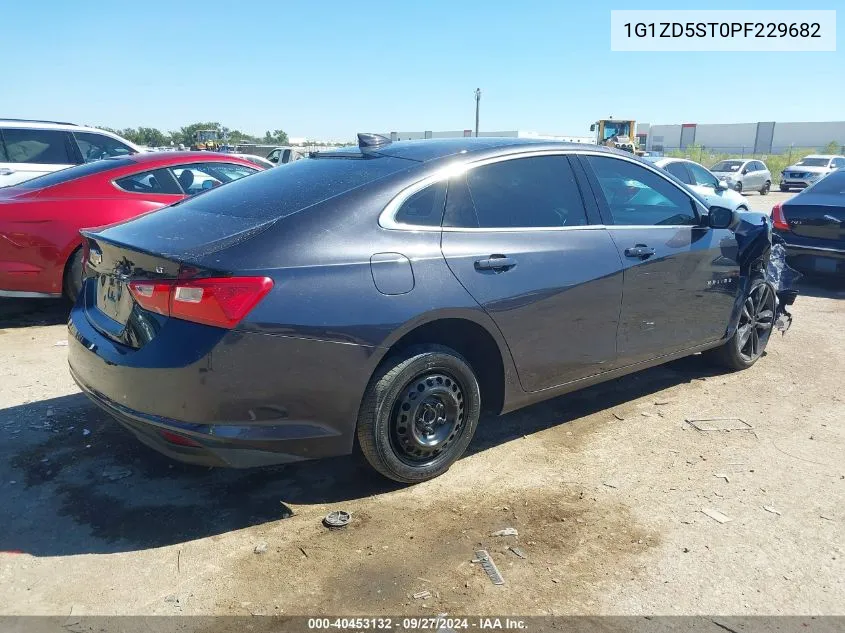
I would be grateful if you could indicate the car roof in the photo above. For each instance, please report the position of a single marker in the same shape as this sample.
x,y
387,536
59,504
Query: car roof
x,y
194,157
425,150
822,156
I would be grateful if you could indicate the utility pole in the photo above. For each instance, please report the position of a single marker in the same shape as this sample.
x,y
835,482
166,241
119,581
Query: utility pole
x,y
477,102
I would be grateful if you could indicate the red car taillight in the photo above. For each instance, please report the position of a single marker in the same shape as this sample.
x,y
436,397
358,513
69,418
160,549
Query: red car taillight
x,y
218,301
778,219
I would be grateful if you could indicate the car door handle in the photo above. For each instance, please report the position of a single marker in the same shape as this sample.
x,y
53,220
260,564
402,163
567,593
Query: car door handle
x,y
495,262
640,250
5,171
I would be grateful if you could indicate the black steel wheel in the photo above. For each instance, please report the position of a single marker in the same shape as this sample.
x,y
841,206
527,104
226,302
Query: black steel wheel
x,y
756,321
419,414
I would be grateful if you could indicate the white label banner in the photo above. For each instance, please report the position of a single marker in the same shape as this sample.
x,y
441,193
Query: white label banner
x,y
709,30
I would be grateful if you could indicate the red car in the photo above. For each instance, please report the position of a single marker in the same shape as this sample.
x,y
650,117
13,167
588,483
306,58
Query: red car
x,y
40,219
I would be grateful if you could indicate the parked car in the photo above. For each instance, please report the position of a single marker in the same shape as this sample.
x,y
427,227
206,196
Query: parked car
x,y
283,155
258,160
40,219
812,224
744,175
810,170
34,148
716,192
392,299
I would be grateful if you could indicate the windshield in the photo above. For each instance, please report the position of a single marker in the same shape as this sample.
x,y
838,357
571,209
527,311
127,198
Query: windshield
x,y
206,135
813,162
833,184
616,128
72,173
727,165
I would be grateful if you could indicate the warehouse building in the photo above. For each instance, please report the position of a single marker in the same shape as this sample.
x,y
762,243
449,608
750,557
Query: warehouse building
x,y
764,137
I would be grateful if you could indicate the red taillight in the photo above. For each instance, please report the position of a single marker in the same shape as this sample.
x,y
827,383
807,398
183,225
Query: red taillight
x,y
218,301
181,440
778,219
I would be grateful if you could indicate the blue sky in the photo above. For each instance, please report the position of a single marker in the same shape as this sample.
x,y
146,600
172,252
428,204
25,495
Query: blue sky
x,y
326,69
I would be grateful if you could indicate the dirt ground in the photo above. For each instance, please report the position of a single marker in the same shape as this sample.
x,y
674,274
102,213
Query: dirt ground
x,y
606,488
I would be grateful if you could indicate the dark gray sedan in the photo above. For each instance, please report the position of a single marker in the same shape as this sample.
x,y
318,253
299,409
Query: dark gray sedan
x,y
377,298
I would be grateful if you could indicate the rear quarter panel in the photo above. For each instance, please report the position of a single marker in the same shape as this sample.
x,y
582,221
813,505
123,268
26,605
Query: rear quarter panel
x,y
37,236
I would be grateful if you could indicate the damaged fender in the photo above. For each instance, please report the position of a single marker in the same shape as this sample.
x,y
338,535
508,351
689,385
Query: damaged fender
x,y
761,254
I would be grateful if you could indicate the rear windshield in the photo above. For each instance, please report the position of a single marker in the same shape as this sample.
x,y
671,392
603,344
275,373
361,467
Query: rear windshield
x,y
286,189
72,173
813,162
834,183
727,165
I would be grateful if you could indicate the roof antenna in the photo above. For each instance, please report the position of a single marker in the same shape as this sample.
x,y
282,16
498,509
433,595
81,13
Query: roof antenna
x,y
371,141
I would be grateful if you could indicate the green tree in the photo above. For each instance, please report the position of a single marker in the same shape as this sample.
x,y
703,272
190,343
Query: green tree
x,y
832,148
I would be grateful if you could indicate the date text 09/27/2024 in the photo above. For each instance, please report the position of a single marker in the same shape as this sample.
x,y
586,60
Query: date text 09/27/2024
x,y
417,624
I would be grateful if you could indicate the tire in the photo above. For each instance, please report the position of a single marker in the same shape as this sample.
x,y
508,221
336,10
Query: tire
x,y
738,187
766,188
756,320
784,188
72,282
435,385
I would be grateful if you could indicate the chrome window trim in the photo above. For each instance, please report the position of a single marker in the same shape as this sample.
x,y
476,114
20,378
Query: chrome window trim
x,y
387,219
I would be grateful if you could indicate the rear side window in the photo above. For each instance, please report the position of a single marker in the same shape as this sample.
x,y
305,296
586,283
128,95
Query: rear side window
x,y
3,157
158,181
638,197
72,173
535,192
98,146
679,171
424,208
199,177
43,147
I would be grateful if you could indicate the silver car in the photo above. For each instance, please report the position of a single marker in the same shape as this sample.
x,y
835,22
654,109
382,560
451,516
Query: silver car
x,y
809,170
744,175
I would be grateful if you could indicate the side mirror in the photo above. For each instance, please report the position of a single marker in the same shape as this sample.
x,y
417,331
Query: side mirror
x,y
275,159
207,184
720,218
721,186
745,171
593,127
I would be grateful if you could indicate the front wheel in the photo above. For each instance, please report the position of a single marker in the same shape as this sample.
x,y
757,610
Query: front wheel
x,y
766,187
752,334
784,188
419,414
738,187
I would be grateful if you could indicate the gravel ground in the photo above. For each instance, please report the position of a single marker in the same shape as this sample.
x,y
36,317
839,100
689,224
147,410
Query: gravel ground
x,y
612,493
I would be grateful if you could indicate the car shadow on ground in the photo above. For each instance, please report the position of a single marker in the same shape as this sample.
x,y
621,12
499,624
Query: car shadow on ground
x,y
74,482
15,313
821,287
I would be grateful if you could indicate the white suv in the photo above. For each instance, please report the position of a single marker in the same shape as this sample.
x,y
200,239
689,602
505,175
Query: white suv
x,y
34,148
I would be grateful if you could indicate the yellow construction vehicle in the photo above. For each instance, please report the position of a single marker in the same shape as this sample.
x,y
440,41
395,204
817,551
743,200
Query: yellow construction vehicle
x,y
617,133
206,140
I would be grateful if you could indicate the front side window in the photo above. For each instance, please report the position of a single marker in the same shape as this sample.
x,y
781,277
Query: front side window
x,y
43,147
157,181
702,176
679,171
637,196
836,163
98,146
201,176
424,208
534,192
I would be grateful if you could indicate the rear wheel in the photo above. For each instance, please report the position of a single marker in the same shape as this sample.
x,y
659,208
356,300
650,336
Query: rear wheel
x,y
766,187
73,275
419,414
752,334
